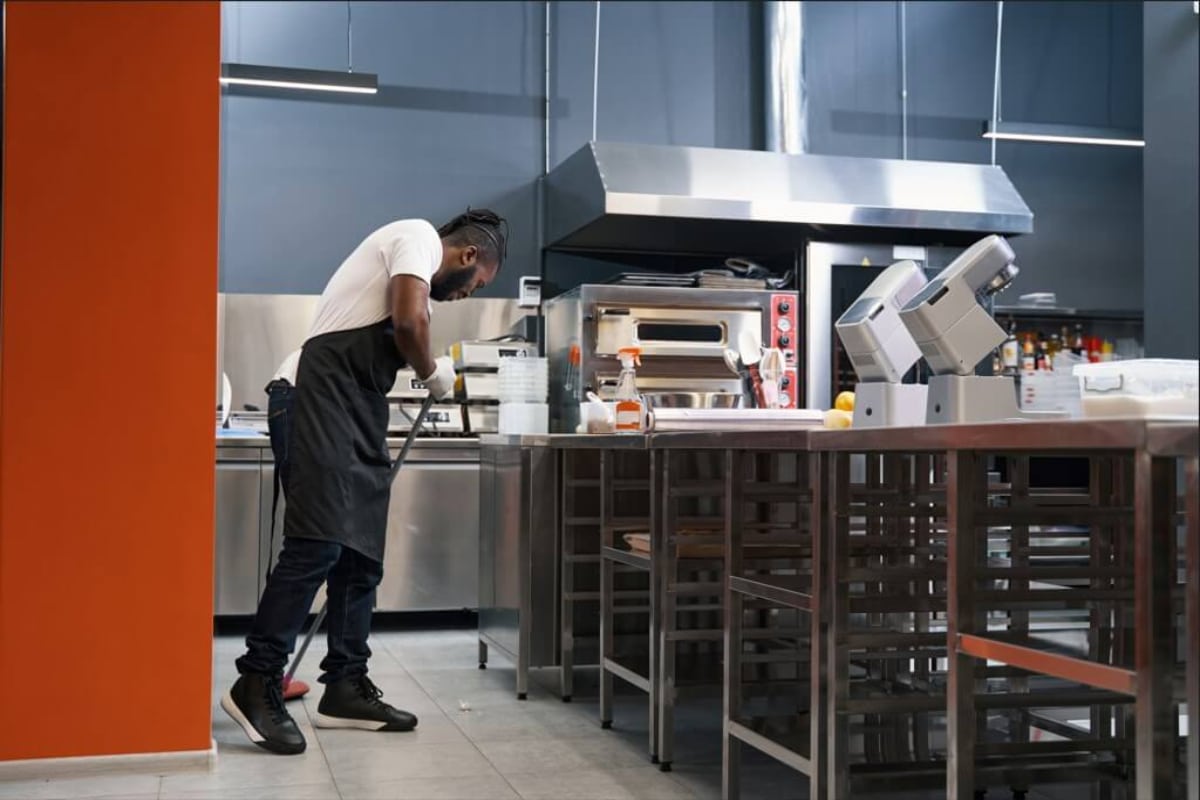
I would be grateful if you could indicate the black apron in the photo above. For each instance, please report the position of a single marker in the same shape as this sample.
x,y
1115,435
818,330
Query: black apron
x,y
339,479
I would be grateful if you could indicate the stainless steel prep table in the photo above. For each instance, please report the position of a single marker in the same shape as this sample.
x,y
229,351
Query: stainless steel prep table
x,y
525,612
1149,440
433,534
519,550
1152,450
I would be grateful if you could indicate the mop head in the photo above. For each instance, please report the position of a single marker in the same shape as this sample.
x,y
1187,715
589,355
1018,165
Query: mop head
x,y
294,688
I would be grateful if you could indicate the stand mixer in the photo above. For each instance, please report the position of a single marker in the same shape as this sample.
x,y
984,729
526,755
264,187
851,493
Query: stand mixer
x,y
882,350
954,333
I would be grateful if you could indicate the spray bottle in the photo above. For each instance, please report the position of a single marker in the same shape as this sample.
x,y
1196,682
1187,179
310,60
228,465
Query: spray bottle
x,y
630,410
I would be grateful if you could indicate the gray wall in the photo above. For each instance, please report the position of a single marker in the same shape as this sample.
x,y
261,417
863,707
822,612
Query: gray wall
x,y
1063,62
1172,175
458,119
457,122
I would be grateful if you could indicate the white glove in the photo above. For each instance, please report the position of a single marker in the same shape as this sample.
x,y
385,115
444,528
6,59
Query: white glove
x,y
441,383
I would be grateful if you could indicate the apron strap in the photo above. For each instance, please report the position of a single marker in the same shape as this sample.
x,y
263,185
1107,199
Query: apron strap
x,y
274,513
279,411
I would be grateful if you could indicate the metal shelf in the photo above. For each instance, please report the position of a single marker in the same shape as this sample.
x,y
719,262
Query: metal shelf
x,y
1061,312
776,590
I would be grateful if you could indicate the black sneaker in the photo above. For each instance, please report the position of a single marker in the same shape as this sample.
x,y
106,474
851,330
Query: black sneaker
x,y
355,703
255,702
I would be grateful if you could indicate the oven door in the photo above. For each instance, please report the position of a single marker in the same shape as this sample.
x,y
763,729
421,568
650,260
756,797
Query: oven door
x,y
675,332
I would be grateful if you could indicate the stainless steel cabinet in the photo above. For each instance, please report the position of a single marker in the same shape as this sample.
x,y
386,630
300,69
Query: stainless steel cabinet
x,y
518,556
238,525
432,557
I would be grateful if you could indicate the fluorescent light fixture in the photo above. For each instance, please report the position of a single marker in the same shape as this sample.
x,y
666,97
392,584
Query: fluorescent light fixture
x,y
1061,134
311,80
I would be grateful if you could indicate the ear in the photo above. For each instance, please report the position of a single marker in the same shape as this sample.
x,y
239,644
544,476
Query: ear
x,y
469,255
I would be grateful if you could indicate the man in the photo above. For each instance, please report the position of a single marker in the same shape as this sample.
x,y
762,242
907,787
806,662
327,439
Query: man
x,y
372,319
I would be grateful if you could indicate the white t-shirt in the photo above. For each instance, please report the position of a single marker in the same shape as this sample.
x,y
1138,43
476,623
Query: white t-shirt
x,y
357,294
287,370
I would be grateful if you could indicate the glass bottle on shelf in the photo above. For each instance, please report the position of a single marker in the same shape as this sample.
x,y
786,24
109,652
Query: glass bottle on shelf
x,y
1053,348
1079,346
1028,354
1010,351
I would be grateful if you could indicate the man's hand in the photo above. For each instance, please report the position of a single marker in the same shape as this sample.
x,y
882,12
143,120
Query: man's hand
x,y
441,383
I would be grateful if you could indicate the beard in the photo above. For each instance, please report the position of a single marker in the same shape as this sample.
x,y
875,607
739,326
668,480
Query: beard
x,y
456,281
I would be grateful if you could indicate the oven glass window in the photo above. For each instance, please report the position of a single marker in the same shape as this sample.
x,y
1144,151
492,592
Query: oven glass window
x,y
675,332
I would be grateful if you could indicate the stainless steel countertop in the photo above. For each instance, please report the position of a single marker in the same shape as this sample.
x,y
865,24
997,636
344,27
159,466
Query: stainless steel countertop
x,y
1164,437
690,440
393,442
1159,437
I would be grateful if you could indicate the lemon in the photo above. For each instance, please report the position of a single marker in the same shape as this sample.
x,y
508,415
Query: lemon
x,y
838,419
844,401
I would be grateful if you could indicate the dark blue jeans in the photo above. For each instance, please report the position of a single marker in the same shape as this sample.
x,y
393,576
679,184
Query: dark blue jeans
x,y
303,565
281,396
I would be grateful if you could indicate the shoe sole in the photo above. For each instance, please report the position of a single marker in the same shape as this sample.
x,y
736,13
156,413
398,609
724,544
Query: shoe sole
x,y
235,713
326,721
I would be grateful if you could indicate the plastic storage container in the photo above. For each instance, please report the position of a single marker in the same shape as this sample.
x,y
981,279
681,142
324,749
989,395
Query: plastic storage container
x,y
1140,388
523,380
521,418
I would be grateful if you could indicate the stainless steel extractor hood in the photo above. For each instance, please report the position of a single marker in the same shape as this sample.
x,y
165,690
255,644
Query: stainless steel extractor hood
x,y
612,196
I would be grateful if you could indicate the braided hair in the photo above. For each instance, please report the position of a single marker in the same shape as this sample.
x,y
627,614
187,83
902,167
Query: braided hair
x,y
481,227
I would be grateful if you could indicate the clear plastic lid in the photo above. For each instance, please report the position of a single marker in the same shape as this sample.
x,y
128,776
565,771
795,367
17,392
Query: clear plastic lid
x,y
1142,376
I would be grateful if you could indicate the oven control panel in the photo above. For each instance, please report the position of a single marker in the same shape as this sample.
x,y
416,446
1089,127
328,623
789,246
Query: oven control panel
x,y
785,335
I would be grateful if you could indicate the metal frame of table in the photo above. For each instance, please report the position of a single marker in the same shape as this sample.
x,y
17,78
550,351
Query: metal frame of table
x,y
1152,445
1155,449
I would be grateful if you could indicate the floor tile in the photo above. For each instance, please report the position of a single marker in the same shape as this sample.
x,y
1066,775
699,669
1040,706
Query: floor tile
x,y
404,760
431,729
79,787
759,782
243,765
477,688
549,755
492,723
642,783
308,791
476,787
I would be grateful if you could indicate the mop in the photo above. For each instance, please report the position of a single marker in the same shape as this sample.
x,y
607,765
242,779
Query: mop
x,y
293,688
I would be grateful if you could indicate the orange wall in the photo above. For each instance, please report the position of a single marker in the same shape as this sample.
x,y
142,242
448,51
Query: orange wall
x,y
111,123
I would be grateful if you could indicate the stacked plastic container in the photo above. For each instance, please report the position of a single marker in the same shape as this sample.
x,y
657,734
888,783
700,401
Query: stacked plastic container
x,y
1055,390
524,387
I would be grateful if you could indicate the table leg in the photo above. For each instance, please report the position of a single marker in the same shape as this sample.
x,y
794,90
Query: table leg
x,y
1192,485
1154,642
731,749
963,493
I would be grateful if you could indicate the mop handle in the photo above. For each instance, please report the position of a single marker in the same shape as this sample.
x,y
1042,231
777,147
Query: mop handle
x,y
412,435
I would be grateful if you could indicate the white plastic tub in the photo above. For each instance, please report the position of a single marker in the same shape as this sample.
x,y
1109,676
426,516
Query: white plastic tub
x,y
1140,388
522,418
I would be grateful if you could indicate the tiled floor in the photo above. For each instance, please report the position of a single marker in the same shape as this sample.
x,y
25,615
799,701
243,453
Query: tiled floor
x,y
475,741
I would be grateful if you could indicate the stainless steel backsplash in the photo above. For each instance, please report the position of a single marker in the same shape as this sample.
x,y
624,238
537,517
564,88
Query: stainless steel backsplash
x,y
257,331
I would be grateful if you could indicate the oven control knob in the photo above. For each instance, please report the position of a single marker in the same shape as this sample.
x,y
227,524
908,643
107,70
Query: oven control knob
x,y
785,382
785,307
784,324
785,340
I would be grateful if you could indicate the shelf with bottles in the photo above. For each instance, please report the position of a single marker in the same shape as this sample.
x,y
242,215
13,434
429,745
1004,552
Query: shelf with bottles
x,y
1032,347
